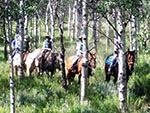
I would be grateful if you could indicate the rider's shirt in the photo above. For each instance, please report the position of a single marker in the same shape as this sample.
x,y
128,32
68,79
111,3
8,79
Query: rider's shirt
x,y
16,44
47,44
79,48
25,46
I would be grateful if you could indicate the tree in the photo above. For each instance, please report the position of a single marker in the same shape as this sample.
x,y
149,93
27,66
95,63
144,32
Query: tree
x,y
60,16
125,9
85,54
21,32
8,35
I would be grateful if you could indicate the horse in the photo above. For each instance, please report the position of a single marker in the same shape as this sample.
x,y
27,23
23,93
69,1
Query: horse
x,y
51,62
17,61
30,60
130,59
71,72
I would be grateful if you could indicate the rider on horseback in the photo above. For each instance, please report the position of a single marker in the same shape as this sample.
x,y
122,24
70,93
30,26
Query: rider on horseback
x,y
47,46
16,45
113,59
79,51
26,44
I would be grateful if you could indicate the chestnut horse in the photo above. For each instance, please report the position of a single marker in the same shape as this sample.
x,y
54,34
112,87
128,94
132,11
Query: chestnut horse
x,y
70,73
130,58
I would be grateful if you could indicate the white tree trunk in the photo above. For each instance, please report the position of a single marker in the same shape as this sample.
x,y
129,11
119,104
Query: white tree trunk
x,y
85,54
107,32
26,25
133,35
122,84
78,19
46,19
39,31
115,25
8,35
99,27
94,26
21,32
73,21
35,31
69,21
52,17
31,32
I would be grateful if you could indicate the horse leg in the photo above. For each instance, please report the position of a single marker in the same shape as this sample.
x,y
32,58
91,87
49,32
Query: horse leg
x,y
115,79
107,77
52,73
106,73
79,79
28,71
47,73
115,75
16,70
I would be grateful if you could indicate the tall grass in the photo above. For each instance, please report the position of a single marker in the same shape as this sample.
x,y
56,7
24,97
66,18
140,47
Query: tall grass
x,y
45,95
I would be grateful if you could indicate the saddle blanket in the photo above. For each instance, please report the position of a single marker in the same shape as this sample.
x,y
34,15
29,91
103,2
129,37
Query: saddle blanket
x,y
108,61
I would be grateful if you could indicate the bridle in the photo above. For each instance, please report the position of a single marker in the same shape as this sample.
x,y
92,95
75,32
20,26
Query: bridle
x,y
90,60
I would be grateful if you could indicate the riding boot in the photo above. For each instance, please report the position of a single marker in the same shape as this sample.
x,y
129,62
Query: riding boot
x,y
42,63
109,69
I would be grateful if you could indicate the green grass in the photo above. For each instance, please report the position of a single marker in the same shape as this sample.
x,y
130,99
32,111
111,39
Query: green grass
x,y
45,95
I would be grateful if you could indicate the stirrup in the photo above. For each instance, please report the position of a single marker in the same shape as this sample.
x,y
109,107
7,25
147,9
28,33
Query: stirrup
x,y
109,73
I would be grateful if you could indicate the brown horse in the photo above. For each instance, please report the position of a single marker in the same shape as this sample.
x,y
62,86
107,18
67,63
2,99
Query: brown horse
x,y
130,57
51,63
70,73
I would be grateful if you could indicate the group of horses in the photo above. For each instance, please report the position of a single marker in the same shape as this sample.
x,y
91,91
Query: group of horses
x,y
33,60
52,62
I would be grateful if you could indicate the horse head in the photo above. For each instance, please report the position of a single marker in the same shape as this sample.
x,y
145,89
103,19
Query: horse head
x,y
92,58
57,60
130,55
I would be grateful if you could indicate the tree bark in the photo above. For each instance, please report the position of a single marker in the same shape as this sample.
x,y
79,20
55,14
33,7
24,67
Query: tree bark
x,y
53,7
73,21
35,31
26,25
115,26
31,33
107,33
62,63
122,84
8,35
85,54
78,15
46,19
94,21
69,21
21,21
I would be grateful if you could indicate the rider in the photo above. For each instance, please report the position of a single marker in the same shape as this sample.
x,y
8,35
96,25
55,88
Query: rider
x,y
47,46
113,59
26,44
79,51
16,45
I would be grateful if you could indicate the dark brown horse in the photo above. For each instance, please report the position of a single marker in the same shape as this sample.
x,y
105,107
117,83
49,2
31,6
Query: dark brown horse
x,y
51,63
130,58
70,73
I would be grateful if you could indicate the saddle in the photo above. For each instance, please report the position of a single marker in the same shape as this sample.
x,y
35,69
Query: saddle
x,y
75,64
109,61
